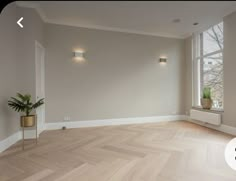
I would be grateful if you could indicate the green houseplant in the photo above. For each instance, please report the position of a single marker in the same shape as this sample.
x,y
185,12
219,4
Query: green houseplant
x,y
206,100
24,104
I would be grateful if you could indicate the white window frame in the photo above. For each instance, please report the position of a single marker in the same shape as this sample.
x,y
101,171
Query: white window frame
x,y
197,61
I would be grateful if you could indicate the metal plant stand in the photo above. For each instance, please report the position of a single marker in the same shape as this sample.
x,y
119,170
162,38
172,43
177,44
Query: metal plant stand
x,y
23,134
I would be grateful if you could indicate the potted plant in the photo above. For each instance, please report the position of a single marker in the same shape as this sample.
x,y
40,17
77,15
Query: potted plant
x,y
206,100
23,103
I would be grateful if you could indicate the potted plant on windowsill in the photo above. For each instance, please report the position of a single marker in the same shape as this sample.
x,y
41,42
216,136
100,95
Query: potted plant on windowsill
x,y
23,103
206,100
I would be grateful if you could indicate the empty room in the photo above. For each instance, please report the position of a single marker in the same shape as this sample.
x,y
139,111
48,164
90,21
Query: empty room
x,y
117,91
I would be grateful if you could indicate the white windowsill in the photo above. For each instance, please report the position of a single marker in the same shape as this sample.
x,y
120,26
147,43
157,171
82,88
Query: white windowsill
x,y
214,110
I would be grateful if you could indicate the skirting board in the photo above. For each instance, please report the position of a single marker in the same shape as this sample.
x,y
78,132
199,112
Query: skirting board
x,y
6,143
223,128
110,122
11,140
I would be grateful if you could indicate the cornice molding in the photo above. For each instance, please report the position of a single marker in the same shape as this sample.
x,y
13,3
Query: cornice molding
x,y
39,10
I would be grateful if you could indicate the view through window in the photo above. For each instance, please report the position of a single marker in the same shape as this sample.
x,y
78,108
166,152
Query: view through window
x,y
209,61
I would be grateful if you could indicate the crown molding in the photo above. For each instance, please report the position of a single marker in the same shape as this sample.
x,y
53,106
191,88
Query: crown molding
x,y
41,13
26,4
39,10
33,5
121,30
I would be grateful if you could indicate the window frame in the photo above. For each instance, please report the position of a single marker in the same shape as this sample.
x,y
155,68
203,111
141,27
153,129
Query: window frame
x,y
197,67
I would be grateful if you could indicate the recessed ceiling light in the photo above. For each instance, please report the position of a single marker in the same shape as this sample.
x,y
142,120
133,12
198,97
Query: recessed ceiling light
x,y
196,23
176,20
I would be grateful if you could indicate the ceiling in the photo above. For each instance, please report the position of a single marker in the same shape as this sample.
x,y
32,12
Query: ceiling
x,y
142,17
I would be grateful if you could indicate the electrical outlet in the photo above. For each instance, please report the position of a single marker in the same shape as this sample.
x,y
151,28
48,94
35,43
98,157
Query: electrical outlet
x,y
66,118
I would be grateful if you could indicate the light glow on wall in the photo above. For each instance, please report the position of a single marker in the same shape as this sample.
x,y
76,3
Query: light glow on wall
x,y
79,55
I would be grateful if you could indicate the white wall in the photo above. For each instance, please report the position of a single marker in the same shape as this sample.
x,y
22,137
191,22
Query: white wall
x,y
230,70
121,76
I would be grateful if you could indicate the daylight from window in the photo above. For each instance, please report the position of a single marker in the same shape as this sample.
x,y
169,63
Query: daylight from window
x,y
210,60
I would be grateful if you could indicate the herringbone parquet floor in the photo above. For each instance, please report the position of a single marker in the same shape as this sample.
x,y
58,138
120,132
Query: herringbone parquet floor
x,y
172,151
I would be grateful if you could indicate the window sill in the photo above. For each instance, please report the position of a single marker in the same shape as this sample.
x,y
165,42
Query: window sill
x,y
213,110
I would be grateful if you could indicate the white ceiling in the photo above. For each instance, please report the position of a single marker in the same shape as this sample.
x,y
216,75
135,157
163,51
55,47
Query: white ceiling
x,y
150,17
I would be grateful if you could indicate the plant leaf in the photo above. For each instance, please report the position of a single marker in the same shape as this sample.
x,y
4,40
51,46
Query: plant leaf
x,y
38,103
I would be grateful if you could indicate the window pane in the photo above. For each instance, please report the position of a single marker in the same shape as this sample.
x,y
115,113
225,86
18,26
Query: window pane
x,y
196,80
212,76
213,39
197,40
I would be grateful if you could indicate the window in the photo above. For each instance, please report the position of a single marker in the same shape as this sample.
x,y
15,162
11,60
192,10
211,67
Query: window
x,y
208,64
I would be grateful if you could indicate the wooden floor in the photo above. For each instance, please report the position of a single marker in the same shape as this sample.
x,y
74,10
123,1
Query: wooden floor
x,y
174,151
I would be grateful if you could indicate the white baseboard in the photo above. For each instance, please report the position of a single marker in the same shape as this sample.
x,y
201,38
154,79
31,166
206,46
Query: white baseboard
x,y
6,143
11,140
30,134
110,122
223,128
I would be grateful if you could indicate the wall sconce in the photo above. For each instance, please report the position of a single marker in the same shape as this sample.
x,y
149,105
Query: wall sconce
x,y
163,60
79,55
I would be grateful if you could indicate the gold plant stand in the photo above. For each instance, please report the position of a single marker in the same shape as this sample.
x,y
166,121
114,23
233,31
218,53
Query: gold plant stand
x,y
23,126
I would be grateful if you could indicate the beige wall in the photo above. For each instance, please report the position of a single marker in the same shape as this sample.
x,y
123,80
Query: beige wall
x,y
8,87
120,78
33,30
230,70
188,75
17,61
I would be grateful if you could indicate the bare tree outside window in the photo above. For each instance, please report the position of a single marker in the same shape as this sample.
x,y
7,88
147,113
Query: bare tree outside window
x,y
212,63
